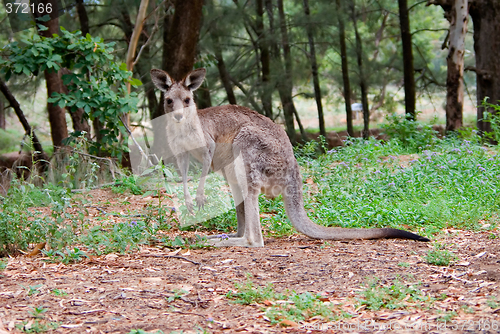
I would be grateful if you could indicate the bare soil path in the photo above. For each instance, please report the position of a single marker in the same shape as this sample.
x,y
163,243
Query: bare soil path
x,y
117,293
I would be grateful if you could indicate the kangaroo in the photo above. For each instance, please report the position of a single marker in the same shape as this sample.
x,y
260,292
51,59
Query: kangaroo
x,y
254,155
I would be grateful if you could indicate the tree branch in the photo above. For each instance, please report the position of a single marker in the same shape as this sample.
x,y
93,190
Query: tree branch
x,y
20,114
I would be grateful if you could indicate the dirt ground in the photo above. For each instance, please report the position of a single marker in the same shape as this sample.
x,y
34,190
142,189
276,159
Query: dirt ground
x,y
117,293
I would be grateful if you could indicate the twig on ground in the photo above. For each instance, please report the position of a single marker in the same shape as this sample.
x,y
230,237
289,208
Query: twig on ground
x,y
174,257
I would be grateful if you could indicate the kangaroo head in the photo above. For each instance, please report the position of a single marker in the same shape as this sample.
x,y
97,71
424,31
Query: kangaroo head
x,y
178,96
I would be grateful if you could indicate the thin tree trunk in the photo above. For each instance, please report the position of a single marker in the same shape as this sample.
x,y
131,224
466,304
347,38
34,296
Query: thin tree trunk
x,y
345,70
57,115
362,80
134,39
143,65
287,81
82,15
409,79
223,73
314,68
265,59
484,14
2,115
455,77
203,98
80,123
39,154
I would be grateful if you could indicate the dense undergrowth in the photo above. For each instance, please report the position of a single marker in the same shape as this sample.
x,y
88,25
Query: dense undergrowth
x,y
424,184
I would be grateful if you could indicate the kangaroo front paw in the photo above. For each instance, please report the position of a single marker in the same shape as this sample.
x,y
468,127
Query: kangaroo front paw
x,y
201,200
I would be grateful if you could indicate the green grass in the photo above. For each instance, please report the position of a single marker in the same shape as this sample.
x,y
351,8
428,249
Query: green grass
x,y
279,306
440,257
367,184
248,294
391,296
420,184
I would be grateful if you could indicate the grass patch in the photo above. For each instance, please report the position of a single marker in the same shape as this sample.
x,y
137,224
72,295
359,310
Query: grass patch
x,y
368,184
290,306
397,295
440,257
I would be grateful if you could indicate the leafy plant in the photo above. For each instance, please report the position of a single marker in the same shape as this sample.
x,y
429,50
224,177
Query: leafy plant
x,y
37,326
447,316
3,264
59,292
300,307
493,302
177,295
38,312
32,289
141,331
394,296
68,256
493,118
413,135
96,84
127,184
248,294
440,257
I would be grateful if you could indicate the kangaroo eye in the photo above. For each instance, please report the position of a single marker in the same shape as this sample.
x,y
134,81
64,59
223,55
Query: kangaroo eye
x,y
169,101
186,101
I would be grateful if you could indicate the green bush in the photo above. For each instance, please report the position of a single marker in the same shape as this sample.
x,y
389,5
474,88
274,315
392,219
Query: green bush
x,y
96,84
21,226
413,135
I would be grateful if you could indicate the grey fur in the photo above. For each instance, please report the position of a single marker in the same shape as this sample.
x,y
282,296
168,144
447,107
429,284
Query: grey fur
x,y
254,155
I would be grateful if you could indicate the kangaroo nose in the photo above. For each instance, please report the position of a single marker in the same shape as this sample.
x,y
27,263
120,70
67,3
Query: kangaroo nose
x,y
178,117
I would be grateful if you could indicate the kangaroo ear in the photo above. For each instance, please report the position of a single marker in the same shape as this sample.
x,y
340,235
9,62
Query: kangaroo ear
x,y
194,79
161,79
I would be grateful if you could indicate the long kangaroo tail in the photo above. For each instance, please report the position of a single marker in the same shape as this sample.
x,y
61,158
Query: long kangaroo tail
x,y
294,206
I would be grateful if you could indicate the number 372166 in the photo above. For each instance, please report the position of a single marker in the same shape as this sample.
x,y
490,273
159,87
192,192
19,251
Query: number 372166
x,y
28,8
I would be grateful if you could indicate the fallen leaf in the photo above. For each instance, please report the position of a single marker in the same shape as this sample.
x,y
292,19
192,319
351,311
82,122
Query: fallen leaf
x,y
38,248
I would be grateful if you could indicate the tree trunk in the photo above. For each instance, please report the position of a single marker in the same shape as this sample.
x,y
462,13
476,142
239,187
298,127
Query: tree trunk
x,y
223,73
143,65
79,122
265,59
82,15
314,68
57,117
183,38
458,17
362,80
345,70
180,38
203,98
2,114
485,15
286,82
409,79
134,39
40,156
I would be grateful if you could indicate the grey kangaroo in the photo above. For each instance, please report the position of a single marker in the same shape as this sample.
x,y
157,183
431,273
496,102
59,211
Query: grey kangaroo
x,y
254,155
